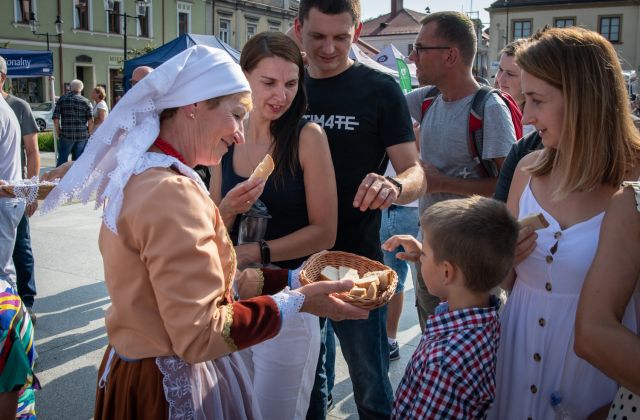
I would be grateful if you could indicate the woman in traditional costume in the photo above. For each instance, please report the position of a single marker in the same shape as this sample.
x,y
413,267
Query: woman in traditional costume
x,y
180,311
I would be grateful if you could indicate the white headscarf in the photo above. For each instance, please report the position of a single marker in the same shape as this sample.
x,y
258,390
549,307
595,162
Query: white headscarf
x,y
115,149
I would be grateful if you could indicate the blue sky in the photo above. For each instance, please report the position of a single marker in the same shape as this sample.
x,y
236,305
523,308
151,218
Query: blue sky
x,y
374,8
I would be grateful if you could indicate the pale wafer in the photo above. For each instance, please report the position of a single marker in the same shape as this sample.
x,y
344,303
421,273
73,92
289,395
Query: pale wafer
x,y
536,221
264,168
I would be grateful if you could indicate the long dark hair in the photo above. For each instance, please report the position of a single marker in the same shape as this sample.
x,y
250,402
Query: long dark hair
x,y
285,129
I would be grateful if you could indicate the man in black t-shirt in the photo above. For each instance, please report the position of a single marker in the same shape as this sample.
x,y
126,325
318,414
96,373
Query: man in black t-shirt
x,y
367,123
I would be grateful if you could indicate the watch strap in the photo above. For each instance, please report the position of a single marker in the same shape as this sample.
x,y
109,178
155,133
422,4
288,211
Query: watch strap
x,y
396,183
265,253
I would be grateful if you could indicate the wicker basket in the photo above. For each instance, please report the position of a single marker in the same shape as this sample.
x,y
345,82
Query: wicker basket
x,y
313,266
43,190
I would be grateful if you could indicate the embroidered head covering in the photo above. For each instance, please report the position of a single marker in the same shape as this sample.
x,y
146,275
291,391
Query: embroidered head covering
x,y
115,149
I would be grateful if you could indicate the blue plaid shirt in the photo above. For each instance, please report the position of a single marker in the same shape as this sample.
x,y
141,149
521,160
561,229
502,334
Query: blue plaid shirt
x,y
452,373
74,110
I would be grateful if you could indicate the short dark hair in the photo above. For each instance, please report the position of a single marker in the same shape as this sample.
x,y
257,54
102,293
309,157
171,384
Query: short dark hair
x,y
455,28
476,234
285,130
330,7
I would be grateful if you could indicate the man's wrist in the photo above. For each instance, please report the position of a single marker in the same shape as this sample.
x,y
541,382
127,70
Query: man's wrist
x,y
397,184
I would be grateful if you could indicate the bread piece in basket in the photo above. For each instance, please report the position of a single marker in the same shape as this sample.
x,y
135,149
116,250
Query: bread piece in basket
x,y
316,263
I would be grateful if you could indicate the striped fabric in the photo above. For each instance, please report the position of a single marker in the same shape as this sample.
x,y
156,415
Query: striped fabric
x,y
451,374
17,351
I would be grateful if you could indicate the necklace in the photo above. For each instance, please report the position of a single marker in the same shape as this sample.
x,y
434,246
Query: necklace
x,y
168,149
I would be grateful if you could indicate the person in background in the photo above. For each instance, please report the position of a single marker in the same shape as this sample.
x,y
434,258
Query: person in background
x,y
397,220
100,108
602,339
17,379
367,123
73,121
22,253
60,171
443,53
575,97
140,73
17,354
452,372
509,80
508,75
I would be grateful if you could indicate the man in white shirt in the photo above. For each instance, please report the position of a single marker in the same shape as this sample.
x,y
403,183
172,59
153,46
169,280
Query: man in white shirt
x,y
11,209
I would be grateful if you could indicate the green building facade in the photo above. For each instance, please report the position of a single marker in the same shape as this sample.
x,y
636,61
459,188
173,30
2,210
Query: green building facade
x,y
91,47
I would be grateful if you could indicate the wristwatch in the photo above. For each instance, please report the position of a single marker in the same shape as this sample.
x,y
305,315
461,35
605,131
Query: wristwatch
x,y
396,183
265,253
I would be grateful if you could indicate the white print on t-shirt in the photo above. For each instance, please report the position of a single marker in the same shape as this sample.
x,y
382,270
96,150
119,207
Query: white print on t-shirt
x,y
464,173
339,122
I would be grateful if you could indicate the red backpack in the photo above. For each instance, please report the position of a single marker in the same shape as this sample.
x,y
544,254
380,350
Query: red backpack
x,y
487,168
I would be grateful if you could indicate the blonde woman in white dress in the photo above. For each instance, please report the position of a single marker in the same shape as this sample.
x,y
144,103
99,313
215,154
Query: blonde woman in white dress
x,y
575,98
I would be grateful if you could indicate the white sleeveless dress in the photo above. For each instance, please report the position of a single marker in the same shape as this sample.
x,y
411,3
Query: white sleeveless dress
x,y
536,356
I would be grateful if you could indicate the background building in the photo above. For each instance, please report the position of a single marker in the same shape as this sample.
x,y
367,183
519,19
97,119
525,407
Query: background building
x,y
92,43
236,21
618,21
399,27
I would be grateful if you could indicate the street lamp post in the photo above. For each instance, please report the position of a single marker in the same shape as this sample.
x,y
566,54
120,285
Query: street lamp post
x,y
141,6
34,24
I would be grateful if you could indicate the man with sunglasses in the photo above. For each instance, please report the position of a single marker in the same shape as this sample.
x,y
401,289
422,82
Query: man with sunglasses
x,y
443,52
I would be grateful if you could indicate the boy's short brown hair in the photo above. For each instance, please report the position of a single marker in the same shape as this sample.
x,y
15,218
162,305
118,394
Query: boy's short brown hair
x,y
476,234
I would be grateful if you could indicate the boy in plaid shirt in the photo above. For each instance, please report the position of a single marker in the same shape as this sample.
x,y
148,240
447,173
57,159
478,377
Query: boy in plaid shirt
x,y
467,249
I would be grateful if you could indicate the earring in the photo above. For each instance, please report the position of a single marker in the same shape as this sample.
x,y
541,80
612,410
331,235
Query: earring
x,y
193,116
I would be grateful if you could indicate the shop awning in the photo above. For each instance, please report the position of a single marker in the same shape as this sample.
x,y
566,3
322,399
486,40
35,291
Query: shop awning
x,y
26,63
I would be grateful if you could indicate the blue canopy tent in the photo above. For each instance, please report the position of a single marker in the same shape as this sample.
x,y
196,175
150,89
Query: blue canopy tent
x,y
168,50
26,63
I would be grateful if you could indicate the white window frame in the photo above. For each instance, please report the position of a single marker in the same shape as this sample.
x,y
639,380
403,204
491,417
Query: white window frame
x,y
253,25
106,20
227,30
182,7
17,17
76,20
149,20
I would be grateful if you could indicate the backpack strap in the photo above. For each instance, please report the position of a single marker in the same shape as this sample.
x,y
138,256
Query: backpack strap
x,y
486,167
475,137
430,96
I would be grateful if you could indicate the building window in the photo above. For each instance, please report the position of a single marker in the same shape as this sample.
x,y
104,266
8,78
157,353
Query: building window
x,y
564,22
184,18
522,28
274,26
114,18
252,29
144,22
23,10
224,31
610,28
81,15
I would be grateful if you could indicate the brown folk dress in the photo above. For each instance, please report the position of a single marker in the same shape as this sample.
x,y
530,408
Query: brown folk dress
x,y
169,273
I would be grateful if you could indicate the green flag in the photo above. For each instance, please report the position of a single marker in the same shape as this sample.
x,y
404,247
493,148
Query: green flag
x,y
404,75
